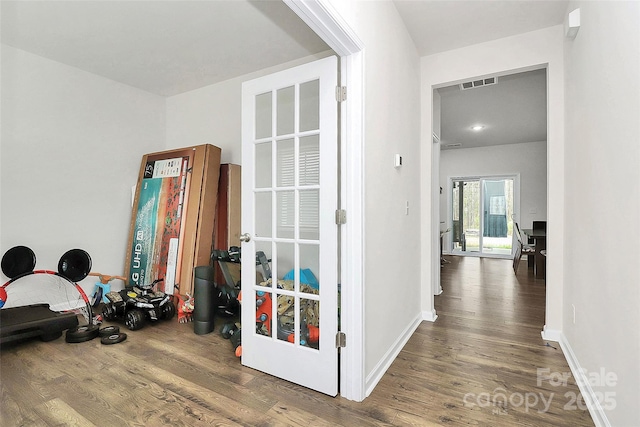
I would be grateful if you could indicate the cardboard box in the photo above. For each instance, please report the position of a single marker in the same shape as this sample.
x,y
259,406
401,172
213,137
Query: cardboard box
x,y
172,223
227,229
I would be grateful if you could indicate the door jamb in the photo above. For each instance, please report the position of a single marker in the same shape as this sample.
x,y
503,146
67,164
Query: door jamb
x,y
325,21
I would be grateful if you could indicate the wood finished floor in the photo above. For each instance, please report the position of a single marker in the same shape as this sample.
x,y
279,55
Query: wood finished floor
x,y
485,347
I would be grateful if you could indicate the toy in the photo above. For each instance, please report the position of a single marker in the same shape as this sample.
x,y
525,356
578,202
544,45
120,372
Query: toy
x,y
309,335
263,313
45,303
309,311
103,287
138,305
185,308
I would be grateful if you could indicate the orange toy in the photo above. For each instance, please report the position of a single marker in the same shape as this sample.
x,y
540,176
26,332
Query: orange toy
x,y
263,311
185,308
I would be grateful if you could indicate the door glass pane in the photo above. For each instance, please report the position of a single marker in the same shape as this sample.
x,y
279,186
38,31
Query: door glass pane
x,y
285,168
309,323
263,214
285,261
309,160
497,228
466,223
263,272
263,115
309,214
263,313
309,106
483,216
286,315
286,214
309,269
285,110
263,165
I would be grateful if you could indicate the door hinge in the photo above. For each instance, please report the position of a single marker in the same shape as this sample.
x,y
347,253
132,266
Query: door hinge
x,y
341,93
341,340
341,216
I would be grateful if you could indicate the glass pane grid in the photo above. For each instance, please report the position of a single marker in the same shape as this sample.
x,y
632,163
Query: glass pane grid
x,y
309,98
293,186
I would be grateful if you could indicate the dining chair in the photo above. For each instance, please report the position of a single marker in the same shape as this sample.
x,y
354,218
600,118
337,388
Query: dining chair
x,y
521,249
536,225
539,225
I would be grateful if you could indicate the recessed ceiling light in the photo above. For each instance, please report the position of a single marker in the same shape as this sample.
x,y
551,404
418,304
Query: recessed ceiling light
x,y
477,128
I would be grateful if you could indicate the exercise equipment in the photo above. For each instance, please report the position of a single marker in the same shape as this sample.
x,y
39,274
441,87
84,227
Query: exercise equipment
x,y
43,303
21,323
204,300
114,338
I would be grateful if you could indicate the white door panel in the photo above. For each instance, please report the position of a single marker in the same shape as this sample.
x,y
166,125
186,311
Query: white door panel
x,y
289,197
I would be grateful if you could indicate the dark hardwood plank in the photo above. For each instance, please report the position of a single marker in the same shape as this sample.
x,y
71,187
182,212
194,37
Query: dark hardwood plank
x,y
478,363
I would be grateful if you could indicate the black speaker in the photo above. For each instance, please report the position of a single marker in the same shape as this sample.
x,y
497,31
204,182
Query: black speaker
x,y
204,295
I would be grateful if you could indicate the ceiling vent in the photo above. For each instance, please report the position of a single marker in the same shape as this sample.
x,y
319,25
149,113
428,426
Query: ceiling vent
x,y
453,145
478,83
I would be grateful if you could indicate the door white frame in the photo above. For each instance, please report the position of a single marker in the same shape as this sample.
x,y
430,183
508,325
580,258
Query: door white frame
x,y
325,21
524,52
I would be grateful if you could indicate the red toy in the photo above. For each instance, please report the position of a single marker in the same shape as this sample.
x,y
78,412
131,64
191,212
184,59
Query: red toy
x,y
263,312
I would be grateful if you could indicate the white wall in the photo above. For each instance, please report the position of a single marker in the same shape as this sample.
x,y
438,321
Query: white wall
x,y
526,51
602,276
71,149
529,160
392,118
212,114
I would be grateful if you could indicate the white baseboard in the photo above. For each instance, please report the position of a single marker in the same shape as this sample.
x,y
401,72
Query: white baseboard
x,y
551,334
429,316
595,408
376,375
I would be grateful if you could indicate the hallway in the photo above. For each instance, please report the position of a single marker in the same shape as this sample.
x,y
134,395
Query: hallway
x,y
484,362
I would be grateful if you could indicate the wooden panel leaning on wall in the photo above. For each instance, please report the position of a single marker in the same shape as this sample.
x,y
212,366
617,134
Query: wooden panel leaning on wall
x,y
227,224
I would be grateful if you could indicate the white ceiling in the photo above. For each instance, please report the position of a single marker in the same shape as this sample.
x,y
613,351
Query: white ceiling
x,y
512,111
163,47
438,26
170,47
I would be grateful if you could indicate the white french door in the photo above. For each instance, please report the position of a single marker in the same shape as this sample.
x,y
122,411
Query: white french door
x,y
289,198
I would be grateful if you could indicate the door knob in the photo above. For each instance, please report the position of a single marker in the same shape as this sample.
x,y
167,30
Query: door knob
x,y
245,237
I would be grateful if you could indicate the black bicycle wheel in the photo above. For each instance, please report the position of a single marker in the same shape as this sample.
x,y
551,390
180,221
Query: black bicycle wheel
x,y
97,297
